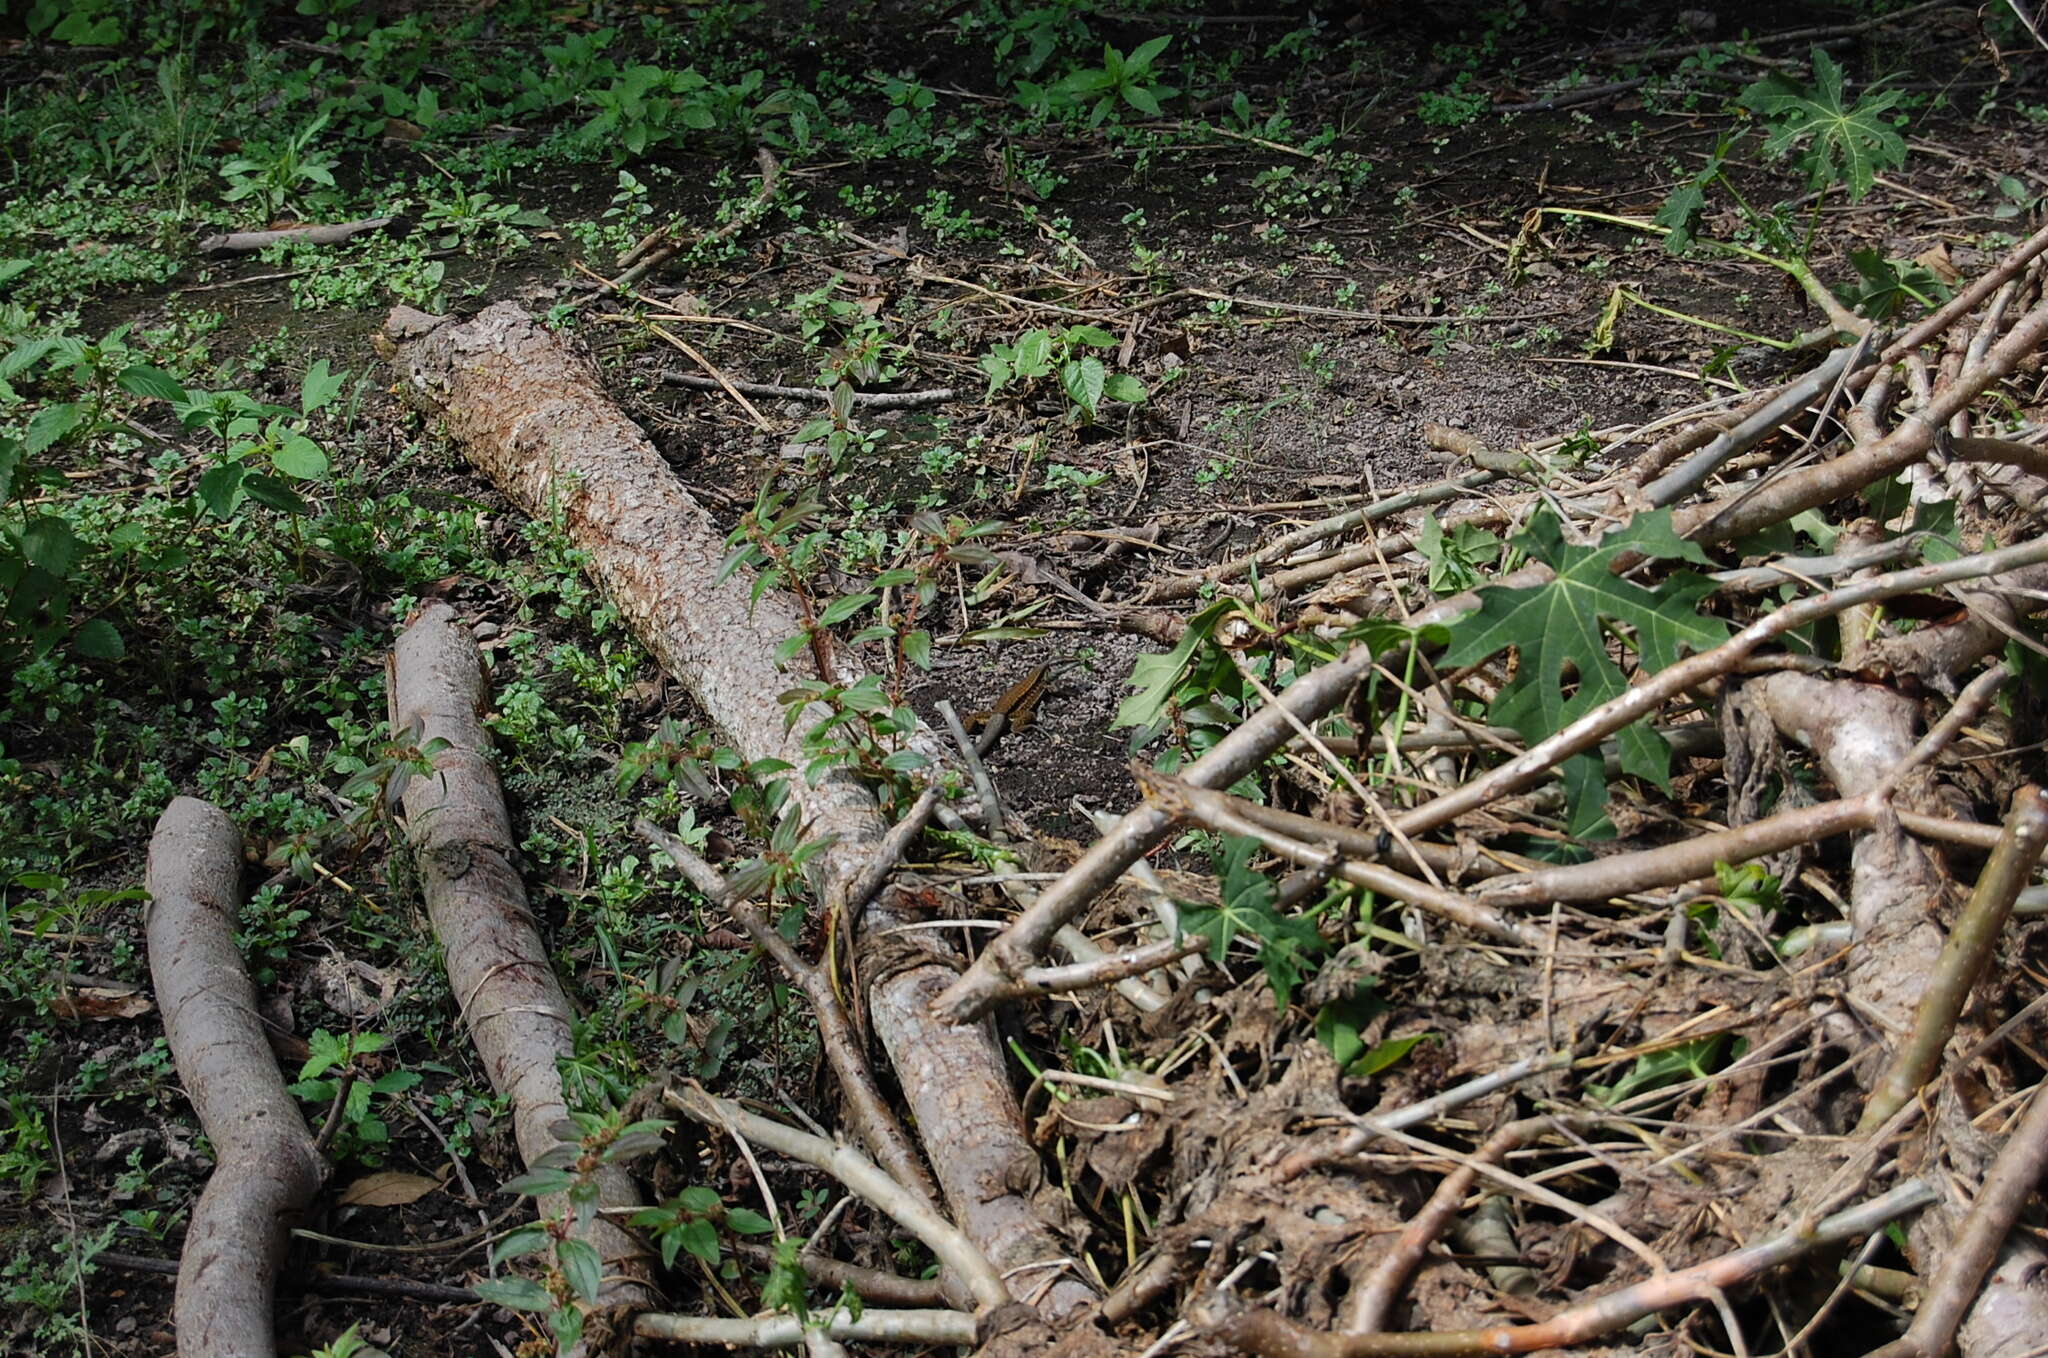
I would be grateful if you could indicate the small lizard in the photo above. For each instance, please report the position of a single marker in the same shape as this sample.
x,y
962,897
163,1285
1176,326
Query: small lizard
x,y
1018,703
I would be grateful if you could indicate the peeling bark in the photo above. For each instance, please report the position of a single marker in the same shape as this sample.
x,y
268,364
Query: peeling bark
x,y
266,1168
511,1001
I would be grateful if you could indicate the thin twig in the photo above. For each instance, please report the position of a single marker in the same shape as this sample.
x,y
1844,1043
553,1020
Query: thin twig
x,y
869,1113
862,1176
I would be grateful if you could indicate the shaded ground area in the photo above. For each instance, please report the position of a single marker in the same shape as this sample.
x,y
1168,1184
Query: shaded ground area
x,y
1316,251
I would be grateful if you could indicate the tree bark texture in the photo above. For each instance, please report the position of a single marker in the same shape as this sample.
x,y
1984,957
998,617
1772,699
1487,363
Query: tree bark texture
x,y
514,1007
265,1166
531,414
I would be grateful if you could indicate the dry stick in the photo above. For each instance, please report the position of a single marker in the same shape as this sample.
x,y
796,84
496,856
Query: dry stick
x,y
334,233
1367,1307
1689,475
265,1167
1772,502
1685,860
1019,947
1217,811
514,1008
1963,959
1369,553
782,1331
717,375
872,1284
1653,692
1272,1335
873,400
1797,569
873,1120
321,1283
890,851
1110,967
1187,586
2014,1177
647,255
984,786
861,1176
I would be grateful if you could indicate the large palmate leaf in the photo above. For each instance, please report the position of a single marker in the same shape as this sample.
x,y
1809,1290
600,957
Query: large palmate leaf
x,y
1561,630
1845,143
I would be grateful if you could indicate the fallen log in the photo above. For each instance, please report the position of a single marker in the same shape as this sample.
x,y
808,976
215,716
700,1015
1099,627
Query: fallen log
x,y
333,233
511,1002
266,1166
531,414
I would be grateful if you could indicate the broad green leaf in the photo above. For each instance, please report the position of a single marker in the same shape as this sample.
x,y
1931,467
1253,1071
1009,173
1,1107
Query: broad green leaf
x,y
319,387
1124,387
1849,144
1083,379
1681,211
1140,98
1286,942
700,1238
540,1182
1094,336
518,1294
1561,631
49,543
581,1266
1340,1023
783,1289
98,640
748,1222
1385,1054
844,607
50,424
275,492
519,1243
143,380
220,489
917,648
1033,355
27,353
1153,676
1142,56
300,457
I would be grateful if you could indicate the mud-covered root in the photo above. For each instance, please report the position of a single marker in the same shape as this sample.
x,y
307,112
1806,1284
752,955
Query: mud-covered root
x,y
266,1165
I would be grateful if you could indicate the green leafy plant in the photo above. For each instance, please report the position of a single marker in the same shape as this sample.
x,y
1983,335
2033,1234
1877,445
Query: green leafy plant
x,y
1341,1026
1456,557
1462,103
350,1095
1562,630
1084,379
690,1222
574,1276
1833,140
1692,1060
263,451
1120,80
281,175
1890,286
1287,944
